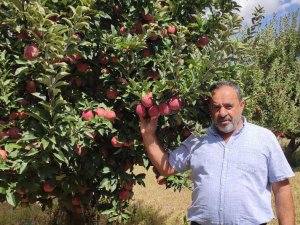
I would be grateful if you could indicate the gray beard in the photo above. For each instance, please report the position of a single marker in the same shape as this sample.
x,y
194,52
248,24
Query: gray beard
x,y
230,127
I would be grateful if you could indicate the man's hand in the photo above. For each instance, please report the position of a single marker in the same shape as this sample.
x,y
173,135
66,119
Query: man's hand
x,y
156,154
148,126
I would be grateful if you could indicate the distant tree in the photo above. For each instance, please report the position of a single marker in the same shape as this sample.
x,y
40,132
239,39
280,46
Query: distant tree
x,y
270,74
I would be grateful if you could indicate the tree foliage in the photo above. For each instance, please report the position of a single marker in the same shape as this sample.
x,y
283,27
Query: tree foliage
x,y
64,63
271,79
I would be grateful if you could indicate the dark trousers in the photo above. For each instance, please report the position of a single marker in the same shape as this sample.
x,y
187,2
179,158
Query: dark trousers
x,y
194,223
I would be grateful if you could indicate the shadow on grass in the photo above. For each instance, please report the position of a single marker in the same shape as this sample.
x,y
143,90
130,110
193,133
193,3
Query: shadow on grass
x,y
32,215
146,215
142,215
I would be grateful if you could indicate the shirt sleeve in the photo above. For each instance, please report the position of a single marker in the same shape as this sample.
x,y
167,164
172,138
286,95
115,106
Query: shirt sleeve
x,y
278,167
179,159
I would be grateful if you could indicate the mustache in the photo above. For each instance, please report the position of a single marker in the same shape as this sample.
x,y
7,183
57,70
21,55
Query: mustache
x,y
222,119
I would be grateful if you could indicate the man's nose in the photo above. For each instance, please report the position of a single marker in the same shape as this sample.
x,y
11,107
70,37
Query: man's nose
x,y
223,112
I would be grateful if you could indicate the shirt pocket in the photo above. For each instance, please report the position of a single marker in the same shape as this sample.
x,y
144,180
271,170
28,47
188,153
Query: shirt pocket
x,y
248,159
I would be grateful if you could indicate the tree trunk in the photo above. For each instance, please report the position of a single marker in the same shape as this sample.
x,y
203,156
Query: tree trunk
x,y
65,214
290,149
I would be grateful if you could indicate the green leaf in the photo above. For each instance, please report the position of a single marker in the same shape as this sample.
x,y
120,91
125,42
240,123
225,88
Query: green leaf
x,y
21,70
104,183
23,167
60,156
10,198
39,95
45,143
2,190
11,146
106,170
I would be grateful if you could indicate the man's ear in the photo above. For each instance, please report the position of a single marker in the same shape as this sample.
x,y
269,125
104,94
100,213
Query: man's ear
x,y
242,103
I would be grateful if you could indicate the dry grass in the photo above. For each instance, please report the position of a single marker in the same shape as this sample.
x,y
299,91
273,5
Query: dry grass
x,y
171,207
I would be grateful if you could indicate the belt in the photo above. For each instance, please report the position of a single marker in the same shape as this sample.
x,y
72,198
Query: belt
x,y
195,223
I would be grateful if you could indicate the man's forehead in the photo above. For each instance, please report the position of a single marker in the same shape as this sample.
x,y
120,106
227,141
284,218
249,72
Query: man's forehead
x,y
223,93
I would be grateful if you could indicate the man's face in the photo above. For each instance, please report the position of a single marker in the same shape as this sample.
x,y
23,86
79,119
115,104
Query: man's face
x,y
226,109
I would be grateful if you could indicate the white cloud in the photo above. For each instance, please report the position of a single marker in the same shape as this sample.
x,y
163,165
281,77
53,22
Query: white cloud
x,y
270,6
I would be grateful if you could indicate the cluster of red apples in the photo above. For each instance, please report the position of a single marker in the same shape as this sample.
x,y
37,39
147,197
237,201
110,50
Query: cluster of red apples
x,y
148,107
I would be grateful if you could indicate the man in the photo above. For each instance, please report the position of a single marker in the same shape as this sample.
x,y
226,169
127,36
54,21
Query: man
x,y
234,166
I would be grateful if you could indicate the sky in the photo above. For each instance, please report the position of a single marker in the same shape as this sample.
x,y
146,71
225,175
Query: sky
x,y
280,7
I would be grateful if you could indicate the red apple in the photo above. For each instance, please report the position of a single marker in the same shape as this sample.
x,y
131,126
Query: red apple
x,y
186,133
82,67
153,75
77,36
22,114
78,81
279,134
202,42
121,81
174,103
147,52
75,201
161,180
103,59
13,116
3,154
105,71
26,199
115,142
138,29
100,112
171,30
147,17
124,194
31,52
37,33
127,165
47,187
114,59
14,133
77,56
154,36
129,185
147,100
3,134
153,111
122,30
30,86
110,115
140,110
117,9
112,93
79,150
87,114
164,108
21,191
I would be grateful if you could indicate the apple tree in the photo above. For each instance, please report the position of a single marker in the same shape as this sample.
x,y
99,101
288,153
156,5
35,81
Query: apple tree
x,y
270,76
75,77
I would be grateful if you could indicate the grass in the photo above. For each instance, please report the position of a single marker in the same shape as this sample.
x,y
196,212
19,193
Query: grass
x,y
153,205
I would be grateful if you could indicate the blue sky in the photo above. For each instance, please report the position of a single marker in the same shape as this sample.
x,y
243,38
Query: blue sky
x,y
280,7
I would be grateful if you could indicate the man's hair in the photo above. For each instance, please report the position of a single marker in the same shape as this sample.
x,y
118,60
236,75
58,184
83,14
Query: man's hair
x,y
232,84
